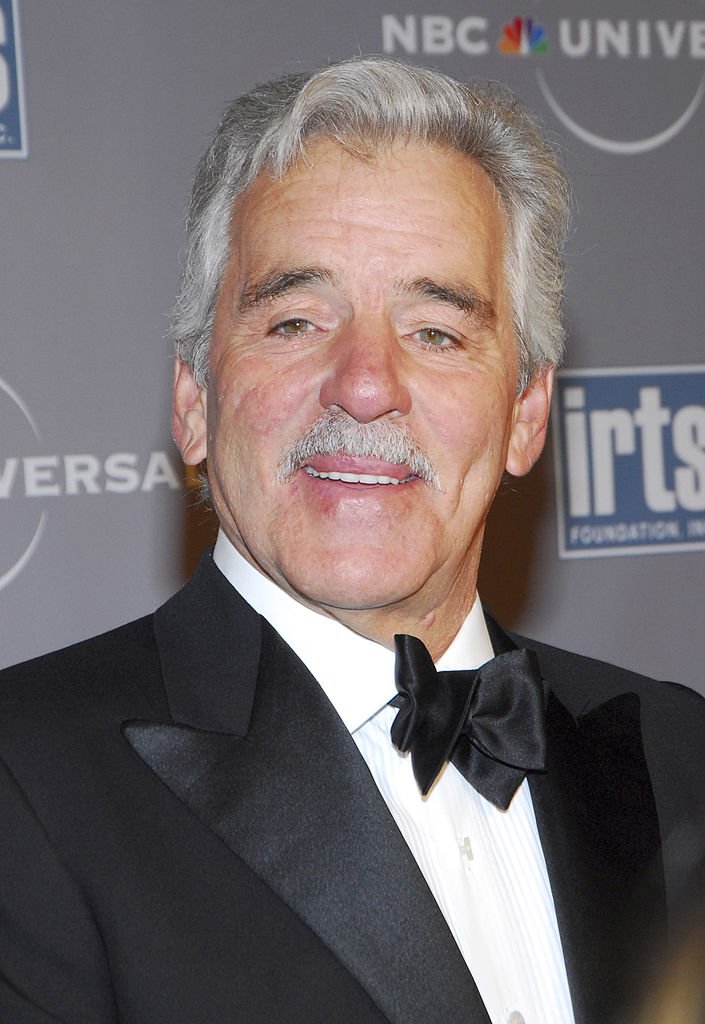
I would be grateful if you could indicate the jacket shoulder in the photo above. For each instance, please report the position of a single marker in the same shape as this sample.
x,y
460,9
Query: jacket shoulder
x,y
672,725
87,673
582,682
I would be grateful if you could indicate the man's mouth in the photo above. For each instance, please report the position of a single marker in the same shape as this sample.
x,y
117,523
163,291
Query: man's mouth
x,y
357,478
339,448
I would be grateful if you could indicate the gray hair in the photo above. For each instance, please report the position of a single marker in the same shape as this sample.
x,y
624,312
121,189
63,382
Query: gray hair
x,y
364,104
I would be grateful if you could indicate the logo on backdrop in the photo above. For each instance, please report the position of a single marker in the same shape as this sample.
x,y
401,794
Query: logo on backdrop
x,y
522,36
660,41
31,481
13,131
630,460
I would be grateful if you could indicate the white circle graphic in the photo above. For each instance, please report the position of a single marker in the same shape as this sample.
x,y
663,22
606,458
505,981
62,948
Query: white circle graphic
x,y
14,570
24,558
21,405
614,145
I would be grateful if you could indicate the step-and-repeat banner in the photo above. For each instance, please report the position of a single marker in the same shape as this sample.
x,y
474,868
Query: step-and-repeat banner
x,y
104,110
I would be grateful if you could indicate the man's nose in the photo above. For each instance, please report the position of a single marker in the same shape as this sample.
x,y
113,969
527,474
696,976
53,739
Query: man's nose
x,y
366,376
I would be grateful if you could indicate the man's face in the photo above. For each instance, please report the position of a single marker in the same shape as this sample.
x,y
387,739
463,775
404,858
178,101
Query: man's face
x,y
372,293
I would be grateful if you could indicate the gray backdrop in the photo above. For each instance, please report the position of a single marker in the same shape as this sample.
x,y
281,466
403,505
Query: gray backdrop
x,y
95,526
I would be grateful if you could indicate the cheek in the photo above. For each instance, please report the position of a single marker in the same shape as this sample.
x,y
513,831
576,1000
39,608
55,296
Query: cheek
x,y
468,433
261,401
457,429
262,413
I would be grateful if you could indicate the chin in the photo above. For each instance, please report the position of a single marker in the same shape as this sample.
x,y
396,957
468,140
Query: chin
x,y
352,583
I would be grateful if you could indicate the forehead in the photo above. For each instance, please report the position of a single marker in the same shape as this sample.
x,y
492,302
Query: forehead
x,y
403,189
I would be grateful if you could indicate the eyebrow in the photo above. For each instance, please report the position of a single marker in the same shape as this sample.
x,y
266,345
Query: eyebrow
x,y
462,296
278,283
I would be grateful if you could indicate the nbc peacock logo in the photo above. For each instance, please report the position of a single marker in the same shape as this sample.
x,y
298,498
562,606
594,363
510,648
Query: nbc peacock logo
x,y
521,37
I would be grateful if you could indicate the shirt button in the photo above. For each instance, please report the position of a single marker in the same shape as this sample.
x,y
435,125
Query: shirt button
x,y
465,847
515,1018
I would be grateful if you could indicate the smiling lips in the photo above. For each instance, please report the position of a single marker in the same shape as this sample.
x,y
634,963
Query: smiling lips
x,y
356,478
350,470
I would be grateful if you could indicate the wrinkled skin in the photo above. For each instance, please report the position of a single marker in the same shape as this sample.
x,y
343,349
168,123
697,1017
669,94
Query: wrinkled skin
x,y
376,288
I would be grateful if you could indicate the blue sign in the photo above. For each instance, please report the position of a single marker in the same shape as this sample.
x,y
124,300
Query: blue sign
x,y
13,132
630,460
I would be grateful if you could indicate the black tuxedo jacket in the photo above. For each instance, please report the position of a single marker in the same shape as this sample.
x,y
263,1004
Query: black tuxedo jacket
x,y
190,836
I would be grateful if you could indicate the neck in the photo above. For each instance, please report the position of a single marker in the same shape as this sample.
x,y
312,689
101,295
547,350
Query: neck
x,y
434,613
436,627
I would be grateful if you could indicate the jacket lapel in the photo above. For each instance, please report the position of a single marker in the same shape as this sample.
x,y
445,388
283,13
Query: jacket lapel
x,y
263,760
597,820
598,825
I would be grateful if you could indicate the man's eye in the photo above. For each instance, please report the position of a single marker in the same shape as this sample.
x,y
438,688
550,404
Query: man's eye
x,y
296,325
434,337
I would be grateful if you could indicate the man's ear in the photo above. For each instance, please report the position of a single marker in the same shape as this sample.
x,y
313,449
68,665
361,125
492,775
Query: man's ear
x,y
530,423
189,422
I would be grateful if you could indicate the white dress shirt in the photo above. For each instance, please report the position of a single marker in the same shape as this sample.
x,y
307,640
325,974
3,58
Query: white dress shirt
x,y
485,867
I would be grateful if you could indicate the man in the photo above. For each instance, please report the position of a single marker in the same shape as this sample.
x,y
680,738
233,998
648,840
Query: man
x,y
205,816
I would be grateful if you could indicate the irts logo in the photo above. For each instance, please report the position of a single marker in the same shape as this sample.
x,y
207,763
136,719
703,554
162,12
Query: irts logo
x,y
13,132
630,460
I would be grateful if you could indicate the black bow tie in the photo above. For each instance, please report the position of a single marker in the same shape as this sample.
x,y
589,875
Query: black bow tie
x,y
490,721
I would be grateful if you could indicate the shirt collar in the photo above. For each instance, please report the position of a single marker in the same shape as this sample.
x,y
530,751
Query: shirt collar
x,y
356,674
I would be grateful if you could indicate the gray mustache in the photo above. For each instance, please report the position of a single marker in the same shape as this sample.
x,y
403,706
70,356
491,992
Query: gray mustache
x,y
338,433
